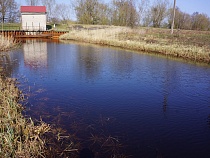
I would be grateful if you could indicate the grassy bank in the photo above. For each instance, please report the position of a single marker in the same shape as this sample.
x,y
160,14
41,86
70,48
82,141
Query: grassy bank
x,y
19,136
6,43
192,45
23,137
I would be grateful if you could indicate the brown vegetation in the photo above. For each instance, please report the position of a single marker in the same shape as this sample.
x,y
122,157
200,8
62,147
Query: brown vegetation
x,y
19,137
193,45
6,43
24,137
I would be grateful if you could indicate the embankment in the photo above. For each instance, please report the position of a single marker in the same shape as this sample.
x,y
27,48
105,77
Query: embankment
x,y
19,136
7,43
190,45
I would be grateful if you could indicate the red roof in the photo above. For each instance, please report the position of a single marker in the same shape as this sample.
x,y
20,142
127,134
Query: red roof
x,y
33,9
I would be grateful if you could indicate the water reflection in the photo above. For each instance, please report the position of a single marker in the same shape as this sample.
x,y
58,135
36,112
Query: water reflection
x,y
122,63
35,53
8,64
169,83
125,105
89,63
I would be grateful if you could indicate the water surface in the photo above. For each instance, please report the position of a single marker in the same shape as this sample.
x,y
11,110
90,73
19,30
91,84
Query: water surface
x,y
154,106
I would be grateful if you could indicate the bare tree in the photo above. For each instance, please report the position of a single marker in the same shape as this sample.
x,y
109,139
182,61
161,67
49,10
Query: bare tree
x,y
104,14
13,13
158,12
196,21
181,21
50,5
124,13
132,15
200,21
8,10
185,21
32,2
143,9
87,11
63,12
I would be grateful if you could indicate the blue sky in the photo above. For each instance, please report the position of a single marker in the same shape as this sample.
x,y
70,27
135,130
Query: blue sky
x,y
188,6
191,6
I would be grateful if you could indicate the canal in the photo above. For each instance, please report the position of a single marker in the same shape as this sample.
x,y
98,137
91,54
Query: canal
x,y
116,102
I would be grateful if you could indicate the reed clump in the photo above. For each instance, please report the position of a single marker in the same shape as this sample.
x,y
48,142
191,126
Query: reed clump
x,y
193,45
19,136
6,43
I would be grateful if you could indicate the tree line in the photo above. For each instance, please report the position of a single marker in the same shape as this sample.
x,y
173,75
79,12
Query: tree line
x,y
56,12
130,13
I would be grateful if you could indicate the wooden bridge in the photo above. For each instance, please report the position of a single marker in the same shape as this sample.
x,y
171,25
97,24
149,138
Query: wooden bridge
x,y
32,34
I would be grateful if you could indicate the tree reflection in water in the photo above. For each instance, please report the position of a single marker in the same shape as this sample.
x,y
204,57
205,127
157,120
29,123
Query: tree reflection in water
x,y
88,63
107,100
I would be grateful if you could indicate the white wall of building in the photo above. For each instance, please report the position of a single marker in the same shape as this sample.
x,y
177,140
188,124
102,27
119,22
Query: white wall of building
x,y
34,22
35,54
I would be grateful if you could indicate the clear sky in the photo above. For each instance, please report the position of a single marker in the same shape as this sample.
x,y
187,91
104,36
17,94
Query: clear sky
x,y
191,6
188,6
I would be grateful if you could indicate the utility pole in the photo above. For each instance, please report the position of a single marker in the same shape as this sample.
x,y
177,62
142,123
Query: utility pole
x,y
174,12
2,29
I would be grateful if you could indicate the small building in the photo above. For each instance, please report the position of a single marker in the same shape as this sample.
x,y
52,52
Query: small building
x,y
33,18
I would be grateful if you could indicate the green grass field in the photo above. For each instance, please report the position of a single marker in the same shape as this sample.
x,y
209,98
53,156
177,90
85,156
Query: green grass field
x,y
10,26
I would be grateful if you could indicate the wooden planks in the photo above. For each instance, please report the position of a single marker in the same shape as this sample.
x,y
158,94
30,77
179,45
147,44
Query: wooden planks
x,y
33,34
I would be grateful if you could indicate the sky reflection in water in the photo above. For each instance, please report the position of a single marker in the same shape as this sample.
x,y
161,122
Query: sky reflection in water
x,y
153,105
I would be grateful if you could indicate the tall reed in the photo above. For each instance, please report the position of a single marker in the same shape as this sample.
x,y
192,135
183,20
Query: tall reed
x,y
6,43
19,136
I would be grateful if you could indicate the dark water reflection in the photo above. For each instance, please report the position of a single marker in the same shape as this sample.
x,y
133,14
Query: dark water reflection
x,y
153,105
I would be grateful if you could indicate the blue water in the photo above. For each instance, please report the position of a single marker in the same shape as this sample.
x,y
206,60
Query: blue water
x,y
153,105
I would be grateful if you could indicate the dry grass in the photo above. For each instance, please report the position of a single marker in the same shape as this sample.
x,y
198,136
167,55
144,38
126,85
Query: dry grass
x,y
6,43
191,45
24,137
19,137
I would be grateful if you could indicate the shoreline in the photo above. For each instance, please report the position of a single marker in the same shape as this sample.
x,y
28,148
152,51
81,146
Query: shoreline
x,y
23,136
148,40
18,135
7,43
